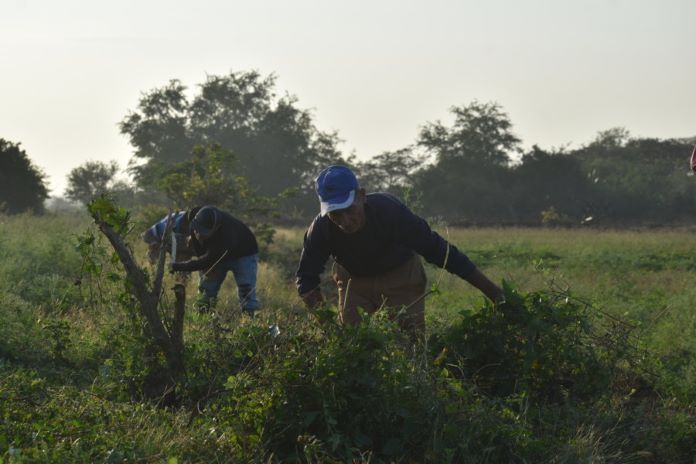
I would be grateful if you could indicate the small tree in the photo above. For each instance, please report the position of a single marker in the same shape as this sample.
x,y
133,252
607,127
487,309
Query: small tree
x,y
481,133
165,333
22,185
390,171
90,180
211,177
468,179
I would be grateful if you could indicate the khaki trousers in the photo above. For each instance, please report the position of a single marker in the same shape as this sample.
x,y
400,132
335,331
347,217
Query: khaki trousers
x,y
400,291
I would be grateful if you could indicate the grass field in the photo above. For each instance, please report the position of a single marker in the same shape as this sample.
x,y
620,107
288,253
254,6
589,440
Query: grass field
x,y
646,276
600,353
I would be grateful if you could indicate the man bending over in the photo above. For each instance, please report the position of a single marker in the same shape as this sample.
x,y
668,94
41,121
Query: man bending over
x,y
375,240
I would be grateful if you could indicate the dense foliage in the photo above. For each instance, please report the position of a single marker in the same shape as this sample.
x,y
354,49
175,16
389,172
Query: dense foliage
x,y
477,176
472,171
22,185
277,143
212,176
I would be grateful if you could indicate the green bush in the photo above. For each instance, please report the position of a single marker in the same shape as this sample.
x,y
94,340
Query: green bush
x,y
542,345
357,394
19,331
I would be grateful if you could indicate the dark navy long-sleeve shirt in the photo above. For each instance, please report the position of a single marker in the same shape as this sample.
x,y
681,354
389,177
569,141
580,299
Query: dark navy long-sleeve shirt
x,y
232,240
391,235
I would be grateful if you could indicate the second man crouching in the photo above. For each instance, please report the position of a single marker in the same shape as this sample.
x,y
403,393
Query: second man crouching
x,y
222,243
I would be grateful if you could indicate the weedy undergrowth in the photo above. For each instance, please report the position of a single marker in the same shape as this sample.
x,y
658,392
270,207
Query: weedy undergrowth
x,y
545,345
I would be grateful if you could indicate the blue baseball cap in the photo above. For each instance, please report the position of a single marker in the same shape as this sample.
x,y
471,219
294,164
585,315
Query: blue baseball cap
x,y
336,187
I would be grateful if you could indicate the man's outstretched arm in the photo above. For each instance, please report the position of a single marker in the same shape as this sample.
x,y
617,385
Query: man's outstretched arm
x,y
312,261
486,286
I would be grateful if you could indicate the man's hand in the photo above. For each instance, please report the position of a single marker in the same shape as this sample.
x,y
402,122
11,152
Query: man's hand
x,y
313,299
173,268
488,288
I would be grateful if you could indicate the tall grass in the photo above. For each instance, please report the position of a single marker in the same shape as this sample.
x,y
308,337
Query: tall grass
x,y
593,360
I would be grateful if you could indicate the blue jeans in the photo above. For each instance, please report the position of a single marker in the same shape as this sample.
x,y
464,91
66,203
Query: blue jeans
x,y
244,270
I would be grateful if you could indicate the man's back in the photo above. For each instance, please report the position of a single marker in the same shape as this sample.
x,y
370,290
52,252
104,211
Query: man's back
x,y
231,239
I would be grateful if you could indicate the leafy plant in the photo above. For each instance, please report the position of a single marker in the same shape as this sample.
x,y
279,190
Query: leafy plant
x,y
211,177
540,344
58,335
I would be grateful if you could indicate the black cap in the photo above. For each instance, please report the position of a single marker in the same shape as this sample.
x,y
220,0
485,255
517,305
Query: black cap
x,y
205,223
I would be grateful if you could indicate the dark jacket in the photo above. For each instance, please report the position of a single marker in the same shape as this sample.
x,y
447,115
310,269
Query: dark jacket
x,y
232,240
392,233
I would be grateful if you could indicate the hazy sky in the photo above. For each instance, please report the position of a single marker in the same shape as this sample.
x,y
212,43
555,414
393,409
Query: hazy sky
x,y
375,71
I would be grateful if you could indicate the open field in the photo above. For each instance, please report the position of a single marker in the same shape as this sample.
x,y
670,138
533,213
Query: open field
x,y
600,348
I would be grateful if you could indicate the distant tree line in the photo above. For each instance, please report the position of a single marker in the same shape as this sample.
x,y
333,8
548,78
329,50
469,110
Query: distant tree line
x,y
236,143
473,171
480,175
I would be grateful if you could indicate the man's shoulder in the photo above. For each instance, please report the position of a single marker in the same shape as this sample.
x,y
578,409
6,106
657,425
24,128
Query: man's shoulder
x,y
385,202
318,225
228,218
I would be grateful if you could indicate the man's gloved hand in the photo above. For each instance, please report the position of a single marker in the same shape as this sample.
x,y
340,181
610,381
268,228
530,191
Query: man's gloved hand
x,y
313,298
173,267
